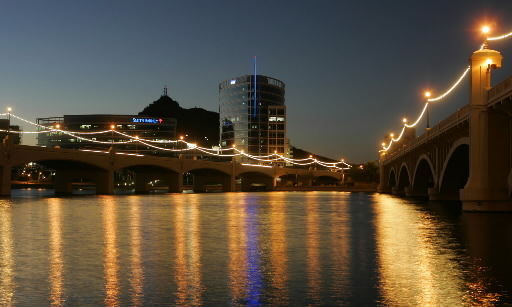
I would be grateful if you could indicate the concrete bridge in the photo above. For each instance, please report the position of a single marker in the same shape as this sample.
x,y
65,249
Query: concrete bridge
x,y
465,157
72,165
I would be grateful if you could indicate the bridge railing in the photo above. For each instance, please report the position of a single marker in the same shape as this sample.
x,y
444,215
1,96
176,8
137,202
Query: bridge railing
x,y
446,124
499,91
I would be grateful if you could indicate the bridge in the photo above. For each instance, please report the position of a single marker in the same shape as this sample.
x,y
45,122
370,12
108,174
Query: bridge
x,y
99,167
467,156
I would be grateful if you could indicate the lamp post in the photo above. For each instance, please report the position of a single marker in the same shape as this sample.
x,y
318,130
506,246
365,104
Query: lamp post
x,y
9,109
112,127
427,95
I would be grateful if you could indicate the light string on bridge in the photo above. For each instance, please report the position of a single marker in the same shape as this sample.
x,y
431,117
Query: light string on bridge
x,y
386,147
275,157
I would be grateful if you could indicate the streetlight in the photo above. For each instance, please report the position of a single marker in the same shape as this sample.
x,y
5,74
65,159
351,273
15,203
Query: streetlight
x,y
112,128
427,95
9,109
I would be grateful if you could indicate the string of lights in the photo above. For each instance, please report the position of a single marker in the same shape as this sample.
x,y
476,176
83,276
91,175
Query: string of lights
x,y
189,146
386,147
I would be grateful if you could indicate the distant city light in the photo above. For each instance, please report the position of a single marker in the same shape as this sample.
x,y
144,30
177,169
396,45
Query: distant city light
x,y
232,82
428,94
486,29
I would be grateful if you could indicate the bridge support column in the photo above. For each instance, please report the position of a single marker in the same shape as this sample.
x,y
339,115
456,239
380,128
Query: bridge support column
x,y
230,184
382,184
486,189
5,180
141,183
176,183
105,183
63,182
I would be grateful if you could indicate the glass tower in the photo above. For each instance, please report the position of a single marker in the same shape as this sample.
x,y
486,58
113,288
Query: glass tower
x,y
253,115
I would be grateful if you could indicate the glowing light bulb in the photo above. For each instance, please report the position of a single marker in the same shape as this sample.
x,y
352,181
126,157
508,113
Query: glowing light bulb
x,y
488,62
57,126
311,156
9,109
427,94
486,29
391,134
181,137
234,145
383,144
112,127
404,120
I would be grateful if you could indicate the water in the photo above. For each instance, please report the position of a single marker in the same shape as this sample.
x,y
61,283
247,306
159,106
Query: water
x,y
289,248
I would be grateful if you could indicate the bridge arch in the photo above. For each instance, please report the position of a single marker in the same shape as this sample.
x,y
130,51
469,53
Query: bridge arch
x,y
255,181
404,178
209,179
455,171
392,178
326,179
150,176
424,176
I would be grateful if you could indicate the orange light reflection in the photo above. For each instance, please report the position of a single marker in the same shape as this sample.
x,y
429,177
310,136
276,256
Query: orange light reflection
x,y
7,287
110,262
237,245
56,260
137,273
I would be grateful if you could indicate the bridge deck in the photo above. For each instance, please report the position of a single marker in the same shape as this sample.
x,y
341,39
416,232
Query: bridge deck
x,y
451,121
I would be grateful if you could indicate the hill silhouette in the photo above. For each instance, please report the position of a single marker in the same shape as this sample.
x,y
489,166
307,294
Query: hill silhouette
x,y
201,126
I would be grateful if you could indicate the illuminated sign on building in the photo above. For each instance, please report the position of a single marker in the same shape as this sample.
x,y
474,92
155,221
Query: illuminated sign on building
x,y
147,120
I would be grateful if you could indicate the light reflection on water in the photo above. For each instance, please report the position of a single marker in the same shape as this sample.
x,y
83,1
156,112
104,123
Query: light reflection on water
x,y
6,256
111,254
55,257
277,248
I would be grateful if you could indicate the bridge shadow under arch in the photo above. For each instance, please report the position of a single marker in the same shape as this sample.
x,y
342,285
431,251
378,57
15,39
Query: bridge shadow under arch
x,y
71,174
423,178
147,178
326,180
403,180
392,178
210,180
256,181
455,172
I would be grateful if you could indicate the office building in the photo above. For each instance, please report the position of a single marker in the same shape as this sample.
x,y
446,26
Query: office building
x,y
144,127
253,115
6,127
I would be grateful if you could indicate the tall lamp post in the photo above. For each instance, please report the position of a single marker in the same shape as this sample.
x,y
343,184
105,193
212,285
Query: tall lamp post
x,y
427,95
9,109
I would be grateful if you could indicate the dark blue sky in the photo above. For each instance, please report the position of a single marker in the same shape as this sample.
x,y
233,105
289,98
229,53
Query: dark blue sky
x,y
352,69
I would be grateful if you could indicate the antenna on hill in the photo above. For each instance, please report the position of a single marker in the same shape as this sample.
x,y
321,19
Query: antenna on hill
x,y
165,91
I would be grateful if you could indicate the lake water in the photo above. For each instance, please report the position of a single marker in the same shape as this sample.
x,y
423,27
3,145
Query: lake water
x,y
278,248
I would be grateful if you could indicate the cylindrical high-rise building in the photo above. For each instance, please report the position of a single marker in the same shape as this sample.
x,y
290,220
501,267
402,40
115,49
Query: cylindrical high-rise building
x,y
255,123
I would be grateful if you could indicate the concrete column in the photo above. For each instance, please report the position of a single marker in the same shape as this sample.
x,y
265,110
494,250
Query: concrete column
x,y
141,183
63,182
176,183
105,183
486,189
5,180
230,184
382,178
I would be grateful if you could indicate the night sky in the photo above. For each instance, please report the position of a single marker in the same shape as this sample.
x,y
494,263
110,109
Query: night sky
x,y
352,69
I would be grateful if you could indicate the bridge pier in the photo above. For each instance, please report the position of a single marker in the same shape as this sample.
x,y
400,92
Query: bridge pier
x,y
176,183
105,182
5,180
63,182
487,186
